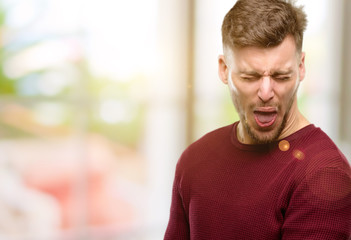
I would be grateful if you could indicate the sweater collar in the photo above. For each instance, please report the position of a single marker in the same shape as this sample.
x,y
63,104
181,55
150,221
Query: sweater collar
x,y
269,146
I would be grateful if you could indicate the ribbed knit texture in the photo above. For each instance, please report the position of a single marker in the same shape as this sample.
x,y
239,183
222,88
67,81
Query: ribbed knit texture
x,y
227,190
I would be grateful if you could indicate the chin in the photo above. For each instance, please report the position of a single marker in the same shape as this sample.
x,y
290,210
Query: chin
x,y
265,138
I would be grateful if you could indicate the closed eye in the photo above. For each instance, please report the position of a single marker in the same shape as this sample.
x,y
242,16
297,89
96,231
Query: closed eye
x,y
250,77
282,78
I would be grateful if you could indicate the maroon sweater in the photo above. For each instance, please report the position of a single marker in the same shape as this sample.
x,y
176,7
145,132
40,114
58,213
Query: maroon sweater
x,y
299,188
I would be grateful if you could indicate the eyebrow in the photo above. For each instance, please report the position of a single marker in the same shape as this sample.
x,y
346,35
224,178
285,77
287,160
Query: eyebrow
x,y
250,73
275,73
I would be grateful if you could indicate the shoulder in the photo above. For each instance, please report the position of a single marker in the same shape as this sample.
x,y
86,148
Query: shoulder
x,y
200,150
323,150
319,180
317,152
212,138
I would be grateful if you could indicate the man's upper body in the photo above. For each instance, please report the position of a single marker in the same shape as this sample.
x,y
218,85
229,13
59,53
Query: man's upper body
x,y
295,188
272,175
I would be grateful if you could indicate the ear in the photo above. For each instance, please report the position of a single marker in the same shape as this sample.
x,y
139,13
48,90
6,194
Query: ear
x,y
223,69
302,70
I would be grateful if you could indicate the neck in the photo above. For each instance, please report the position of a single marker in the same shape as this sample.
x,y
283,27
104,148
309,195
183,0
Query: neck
x,y
295,121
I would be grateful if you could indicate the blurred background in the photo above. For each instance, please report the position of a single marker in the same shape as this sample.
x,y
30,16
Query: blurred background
x,y
99,98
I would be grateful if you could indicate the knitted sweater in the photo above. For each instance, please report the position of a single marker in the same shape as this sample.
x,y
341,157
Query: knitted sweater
x,y
297,188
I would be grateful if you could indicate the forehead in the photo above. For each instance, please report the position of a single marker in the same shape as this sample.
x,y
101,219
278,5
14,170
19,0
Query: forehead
x,y
264,60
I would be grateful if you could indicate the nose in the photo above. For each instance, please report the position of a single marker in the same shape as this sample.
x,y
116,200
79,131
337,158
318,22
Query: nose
x,y
265,92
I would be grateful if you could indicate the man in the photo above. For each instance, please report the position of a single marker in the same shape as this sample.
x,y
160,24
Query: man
x,y
272,175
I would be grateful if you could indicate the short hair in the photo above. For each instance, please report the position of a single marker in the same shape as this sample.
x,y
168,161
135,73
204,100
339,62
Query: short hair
x,y
263,23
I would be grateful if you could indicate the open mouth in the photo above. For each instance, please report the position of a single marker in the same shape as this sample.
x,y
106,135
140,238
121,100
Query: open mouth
x,y
265,118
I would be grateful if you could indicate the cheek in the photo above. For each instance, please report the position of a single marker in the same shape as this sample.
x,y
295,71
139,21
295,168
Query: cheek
x,y
246,94
233,89
235,95
287,93
240,98
239,90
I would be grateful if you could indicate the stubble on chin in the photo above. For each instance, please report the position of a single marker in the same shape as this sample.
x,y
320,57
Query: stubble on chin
x,y
261,137
264,138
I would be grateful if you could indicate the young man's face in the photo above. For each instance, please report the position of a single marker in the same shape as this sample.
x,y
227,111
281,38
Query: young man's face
x,y
263,83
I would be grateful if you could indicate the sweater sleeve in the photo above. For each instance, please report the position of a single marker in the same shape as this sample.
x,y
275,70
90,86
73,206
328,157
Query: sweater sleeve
x,y
320,207
178,227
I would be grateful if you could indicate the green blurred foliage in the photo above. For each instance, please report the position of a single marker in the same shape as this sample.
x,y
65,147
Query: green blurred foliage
x,y
7,86
86,91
